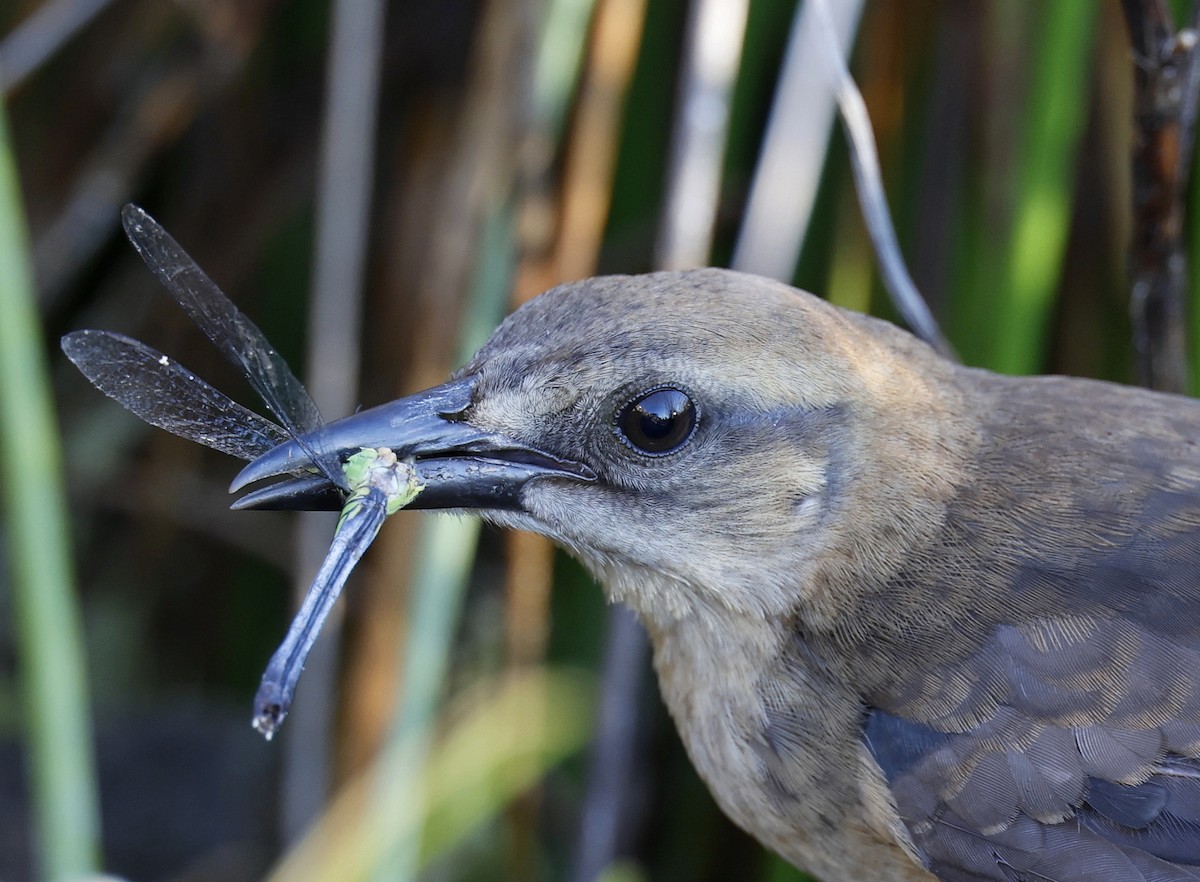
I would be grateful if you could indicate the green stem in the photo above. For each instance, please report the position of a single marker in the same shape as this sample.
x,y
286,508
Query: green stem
x,y
49,631
1044,190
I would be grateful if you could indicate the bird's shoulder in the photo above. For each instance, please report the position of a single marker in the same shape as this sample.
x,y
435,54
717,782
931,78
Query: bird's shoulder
x,y
1031,677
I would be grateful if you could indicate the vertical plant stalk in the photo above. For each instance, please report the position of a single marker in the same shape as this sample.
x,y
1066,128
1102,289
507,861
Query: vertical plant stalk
x,y
789,167
570,252
49,630
335,321
592,151
1165,96
471,250
716,30
1023,272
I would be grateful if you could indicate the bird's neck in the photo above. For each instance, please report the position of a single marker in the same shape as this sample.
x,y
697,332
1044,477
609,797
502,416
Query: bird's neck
x,y
777,741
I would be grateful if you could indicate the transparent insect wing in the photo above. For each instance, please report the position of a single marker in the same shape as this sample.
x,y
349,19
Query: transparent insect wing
x,y
238,338
165,394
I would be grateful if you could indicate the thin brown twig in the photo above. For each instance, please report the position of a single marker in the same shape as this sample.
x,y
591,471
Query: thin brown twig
x,y
1165,78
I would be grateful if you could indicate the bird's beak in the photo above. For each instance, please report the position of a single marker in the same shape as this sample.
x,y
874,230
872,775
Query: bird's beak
x,y
460,465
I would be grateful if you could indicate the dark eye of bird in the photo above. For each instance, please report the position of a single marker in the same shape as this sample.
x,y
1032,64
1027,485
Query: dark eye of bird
x,y
658,422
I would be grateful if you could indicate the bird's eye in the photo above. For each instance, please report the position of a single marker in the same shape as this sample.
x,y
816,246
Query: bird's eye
x,y
657,422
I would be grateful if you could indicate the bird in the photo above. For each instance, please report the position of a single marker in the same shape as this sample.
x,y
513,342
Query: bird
x,y
912,620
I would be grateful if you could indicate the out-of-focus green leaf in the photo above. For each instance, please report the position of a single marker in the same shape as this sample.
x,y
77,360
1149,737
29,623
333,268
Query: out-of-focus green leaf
x,y
49,631
1013,276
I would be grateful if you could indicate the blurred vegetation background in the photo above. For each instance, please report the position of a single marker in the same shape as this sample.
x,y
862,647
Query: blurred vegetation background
x,y
376,185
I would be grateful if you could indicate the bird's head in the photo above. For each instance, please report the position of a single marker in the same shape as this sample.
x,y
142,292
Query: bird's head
x,y
697,439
